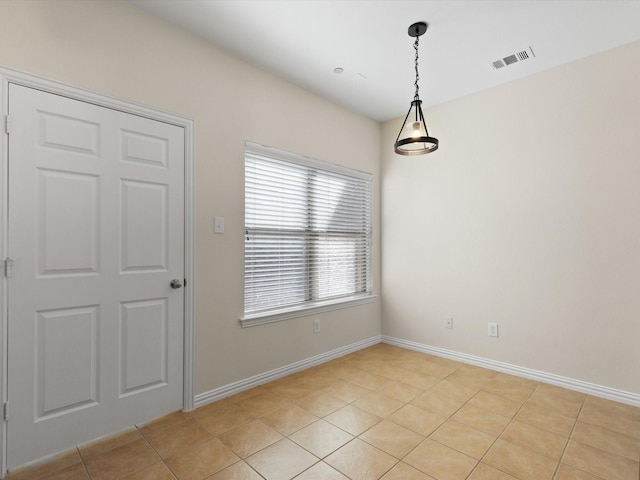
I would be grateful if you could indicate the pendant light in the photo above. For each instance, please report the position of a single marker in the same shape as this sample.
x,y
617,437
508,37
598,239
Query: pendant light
x,y
413,138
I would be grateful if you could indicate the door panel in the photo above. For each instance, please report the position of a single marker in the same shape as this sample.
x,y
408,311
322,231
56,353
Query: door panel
x,y
96,225
66,360
145,223
144,345
144,149
69,134
67,202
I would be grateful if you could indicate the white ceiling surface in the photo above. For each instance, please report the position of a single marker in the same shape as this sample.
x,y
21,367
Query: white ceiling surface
x,y
304,40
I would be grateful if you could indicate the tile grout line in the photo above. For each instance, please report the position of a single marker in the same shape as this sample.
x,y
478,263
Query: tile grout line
x,y
162,459
370,391
84,463
500,434
426,437
405,404
569,439
86,470
564,449
450,417
84,459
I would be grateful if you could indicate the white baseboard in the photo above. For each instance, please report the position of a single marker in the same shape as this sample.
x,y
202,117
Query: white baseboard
x,y
543,377
239,386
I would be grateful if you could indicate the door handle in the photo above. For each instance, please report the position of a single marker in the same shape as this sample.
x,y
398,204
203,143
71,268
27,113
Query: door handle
x,y
175,283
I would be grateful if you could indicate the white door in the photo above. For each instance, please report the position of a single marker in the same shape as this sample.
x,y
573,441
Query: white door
x,y
96,228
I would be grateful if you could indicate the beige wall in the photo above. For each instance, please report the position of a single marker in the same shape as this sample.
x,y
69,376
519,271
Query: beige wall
x,y
528,216
113,48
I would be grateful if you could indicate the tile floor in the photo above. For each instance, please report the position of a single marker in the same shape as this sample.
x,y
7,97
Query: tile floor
x,y
380,413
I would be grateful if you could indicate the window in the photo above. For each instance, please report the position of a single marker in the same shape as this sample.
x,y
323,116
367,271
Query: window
x,y
307,235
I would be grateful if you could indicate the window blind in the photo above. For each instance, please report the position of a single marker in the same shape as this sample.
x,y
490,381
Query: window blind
x,y
307,231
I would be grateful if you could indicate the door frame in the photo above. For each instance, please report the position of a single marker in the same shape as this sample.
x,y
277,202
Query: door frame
x,y
8,76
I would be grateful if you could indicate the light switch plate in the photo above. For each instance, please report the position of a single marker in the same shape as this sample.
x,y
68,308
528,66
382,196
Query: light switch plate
x,y
218,225
493,330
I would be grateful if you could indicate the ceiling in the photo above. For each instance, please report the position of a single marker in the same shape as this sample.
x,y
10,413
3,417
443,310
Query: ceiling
x,y
304,40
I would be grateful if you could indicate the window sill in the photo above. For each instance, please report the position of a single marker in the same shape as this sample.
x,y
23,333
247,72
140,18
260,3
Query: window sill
x,y
251,320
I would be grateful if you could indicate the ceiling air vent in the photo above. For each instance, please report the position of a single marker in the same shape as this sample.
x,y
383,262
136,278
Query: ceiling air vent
x,y
520,56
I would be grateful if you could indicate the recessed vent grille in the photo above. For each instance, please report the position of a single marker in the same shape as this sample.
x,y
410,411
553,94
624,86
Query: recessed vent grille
x,y
520,56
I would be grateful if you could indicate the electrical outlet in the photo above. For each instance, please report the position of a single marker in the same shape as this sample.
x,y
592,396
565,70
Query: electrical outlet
x,y
493,330
316,326
448,323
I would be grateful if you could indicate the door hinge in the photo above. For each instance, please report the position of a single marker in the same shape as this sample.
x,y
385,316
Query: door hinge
x,y
5,411
8,264
7,123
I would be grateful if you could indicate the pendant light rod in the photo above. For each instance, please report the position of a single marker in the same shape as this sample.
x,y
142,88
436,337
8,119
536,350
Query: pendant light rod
x,y
413,138
416,30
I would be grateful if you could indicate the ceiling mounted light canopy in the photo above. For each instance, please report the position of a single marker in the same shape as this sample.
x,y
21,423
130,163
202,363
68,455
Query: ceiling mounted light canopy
x,y
413,138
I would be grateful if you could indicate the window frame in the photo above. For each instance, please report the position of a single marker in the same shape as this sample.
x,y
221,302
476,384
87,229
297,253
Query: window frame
x,y
308,307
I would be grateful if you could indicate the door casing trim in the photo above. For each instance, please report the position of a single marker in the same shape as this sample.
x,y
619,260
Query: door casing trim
x,y
8,76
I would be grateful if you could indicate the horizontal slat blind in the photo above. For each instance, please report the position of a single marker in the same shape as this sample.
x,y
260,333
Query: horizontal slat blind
x,y
307,231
